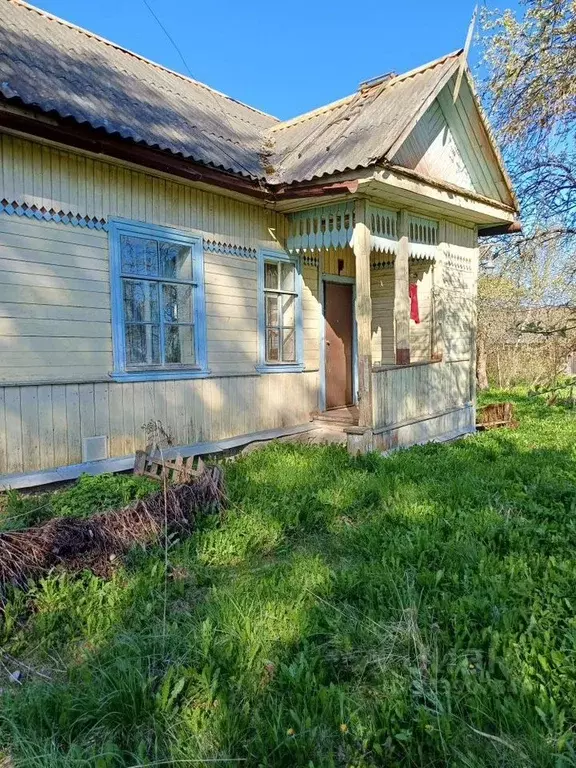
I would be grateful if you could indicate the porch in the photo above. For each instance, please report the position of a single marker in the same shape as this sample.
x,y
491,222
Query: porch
x,y
396,365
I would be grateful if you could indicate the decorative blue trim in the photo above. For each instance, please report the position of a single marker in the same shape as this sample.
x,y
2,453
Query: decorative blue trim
x,y
161,375
263,366
310,261
326,278
50,214
212,246
120,373
281,368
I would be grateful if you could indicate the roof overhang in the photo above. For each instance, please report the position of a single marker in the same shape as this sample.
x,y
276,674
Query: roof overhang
x,y
385,184
401,188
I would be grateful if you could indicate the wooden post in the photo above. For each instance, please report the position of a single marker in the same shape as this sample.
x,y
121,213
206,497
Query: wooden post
x,y
401,296
363,308
437,296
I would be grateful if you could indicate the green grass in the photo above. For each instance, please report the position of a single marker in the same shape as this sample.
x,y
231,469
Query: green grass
x,y
411,611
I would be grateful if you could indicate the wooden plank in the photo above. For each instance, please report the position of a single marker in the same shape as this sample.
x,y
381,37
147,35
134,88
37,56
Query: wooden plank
x,y
3,456
139,414
59,424
30,428
128,426
73,423
116,439
46,427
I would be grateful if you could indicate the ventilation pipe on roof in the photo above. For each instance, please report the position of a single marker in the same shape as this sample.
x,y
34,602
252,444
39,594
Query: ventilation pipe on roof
x,y
365,85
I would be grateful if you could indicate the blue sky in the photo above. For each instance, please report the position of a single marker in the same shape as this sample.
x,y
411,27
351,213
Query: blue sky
x,y
282,57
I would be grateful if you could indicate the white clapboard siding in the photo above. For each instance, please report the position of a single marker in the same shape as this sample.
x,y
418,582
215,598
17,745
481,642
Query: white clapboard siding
x,y
43,426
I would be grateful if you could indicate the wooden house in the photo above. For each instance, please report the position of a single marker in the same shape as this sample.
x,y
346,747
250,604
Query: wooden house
x,y
170,255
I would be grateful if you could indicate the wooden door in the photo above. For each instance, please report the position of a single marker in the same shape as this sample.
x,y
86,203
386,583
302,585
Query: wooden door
x,y
338,319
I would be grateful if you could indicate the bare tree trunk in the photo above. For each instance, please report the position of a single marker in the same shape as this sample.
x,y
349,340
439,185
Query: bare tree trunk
x,y
481,363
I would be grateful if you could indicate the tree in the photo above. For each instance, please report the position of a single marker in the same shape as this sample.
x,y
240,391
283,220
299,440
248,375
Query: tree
x,y
531,97
530,94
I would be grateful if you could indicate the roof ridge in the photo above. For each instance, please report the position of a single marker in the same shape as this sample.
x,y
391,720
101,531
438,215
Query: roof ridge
x,y
330,107
342,102
117,46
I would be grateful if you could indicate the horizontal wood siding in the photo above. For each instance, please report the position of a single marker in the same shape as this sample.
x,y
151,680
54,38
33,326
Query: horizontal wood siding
x,y
54,301
43,426
55,319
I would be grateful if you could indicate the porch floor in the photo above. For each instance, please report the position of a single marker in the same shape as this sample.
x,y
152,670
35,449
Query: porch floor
x,y
339,417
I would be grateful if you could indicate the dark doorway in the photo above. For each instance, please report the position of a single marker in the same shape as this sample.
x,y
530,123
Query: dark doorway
x,y
339,332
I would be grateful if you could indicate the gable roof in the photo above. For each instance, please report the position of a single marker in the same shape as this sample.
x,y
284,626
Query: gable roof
x,y
357,131
52,66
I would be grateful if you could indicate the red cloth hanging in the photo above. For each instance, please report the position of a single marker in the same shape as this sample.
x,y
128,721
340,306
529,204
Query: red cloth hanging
x,y
413,293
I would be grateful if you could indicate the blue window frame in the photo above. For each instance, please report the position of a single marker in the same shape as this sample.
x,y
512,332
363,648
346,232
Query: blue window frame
x,y
279,313
158,305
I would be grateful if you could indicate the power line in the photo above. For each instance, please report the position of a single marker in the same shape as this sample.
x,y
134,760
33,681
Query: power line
x,y
208,89
170,38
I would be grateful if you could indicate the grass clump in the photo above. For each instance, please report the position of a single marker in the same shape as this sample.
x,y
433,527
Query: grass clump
x,y
416,610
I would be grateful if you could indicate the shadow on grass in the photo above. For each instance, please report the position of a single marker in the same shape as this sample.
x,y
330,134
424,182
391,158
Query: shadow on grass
x,y
409,611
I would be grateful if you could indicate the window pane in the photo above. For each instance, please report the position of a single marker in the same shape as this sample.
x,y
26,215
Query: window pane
x,y
139,255
288,311
177,303
271,276
180,344
272,317
176,261
273,345
141,302
142,345
288,277
288,345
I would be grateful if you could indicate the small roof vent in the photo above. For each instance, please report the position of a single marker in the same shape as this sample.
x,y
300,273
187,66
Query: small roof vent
x,y
365,85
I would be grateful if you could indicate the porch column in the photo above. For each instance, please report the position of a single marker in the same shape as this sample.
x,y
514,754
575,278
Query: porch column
x,y
401,295
363,308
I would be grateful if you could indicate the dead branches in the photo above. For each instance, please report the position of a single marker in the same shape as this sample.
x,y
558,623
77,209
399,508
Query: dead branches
x,y
91,543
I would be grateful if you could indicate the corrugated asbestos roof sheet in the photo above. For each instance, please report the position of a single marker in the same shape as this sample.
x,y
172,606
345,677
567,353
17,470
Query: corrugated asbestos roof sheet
x,y
58,68
355,132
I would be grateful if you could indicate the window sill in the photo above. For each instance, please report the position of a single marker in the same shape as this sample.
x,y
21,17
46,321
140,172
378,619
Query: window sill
x,y
166,375
289,368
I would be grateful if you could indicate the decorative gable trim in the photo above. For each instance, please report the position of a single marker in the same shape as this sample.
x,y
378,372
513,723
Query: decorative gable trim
x,y
231,249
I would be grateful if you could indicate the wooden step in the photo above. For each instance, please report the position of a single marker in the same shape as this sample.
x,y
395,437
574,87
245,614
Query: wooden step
x,y
347,416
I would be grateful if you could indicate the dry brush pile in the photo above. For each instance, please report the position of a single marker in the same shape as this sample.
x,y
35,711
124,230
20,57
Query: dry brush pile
x,y
93,543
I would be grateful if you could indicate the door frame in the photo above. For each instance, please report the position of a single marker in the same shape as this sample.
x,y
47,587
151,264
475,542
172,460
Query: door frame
x,y
327,278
